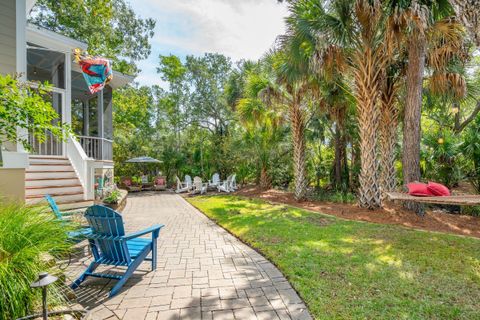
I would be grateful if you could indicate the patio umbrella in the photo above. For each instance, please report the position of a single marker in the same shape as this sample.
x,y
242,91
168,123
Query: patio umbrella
x,y
143,160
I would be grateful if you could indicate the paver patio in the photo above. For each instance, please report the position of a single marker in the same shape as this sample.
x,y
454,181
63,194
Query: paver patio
x,y
203,272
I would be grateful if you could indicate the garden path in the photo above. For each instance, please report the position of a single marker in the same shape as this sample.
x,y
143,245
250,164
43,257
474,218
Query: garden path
x,y
203,272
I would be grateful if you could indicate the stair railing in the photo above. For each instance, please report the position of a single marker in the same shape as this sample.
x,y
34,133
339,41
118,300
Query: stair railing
x,y
83,166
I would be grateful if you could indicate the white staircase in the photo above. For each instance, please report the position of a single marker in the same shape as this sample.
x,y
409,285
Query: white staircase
x,y
54,176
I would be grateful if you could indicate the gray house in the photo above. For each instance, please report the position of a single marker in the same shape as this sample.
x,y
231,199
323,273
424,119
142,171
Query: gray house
x,y
67,170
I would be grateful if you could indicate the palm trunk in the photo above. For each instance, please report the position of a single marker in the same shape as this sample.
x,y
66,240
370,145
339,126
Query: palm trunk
x,y
413,112
388,134
298,139
366,81
340,162
265,182
338,158
466,11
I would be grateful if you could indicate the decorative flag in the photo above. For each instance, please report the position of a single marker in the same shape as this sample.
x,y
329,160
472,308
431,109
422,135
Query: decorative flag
x,y
96,71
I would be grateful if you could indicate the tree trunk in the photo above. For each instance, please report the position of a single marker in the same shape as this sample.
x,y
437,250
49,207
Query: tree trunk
x,y
265,182
388,136
467,12
337,171
367,74
413,112
355,165
298,139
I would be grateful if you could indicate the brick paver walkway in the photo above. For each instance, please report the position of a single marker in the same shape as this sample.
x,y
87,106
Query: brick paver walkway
x,y
203,272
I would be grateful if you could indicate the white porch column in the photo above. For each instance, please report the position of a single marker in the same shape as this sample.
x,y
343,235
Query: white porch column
x,y
101,133
67,101
67,110
21,55
86,119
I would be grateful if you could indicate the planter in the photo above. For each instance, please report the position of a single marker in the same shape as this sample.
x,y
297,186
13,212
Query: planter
x,y
122,202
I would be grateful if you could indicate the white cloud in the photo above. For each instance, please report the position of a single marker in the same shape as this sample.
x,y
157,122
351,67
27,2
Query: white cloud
x,y
236,28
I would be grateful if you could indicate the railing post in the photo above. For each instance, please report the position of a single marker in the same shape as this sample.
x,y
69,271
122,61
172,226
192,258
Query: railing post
x,y
100,123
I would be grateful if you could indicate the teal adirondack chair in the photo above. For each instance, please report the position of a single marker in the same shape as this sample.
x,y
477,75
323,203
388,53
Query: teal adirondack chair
x,y
76,235
111,246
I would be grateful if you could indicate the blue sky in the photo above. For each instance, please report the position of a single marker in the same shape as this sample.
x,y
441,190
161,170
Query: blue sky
x,y
236,28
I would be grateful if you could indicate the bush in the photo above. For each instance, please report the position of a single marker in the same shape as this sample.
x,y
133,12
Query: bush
x,y
27,236
112,197
332,196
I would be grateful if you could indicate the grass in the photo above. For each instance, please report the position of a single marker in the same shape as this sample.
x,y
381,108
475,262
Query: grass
x,y
28,236
355,270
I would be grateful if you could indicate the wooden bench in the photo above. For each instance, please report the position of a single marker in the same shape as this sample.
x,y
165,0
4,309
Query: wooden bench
x,y
458,200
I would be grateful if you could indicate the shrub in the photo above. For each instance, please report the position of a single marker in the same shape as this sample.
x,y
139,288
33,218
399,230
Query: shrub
x,y
112,197
332,196
27,236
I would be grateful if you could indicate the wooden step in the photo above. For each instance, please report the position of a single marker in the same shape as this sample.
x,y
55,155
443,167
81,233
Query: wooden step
x,y
65,197
55,164
52,186
43,182
36,156
49,167
44,175
55,194
44,190
49,160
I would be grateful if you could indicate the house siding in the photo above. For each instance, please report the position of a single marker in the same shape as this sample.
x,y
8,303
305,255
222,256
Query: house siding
x,y
7,37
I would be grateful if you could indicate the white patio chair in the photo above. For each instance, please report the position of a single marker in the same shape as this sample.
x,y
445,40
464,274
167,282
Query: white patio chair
x,y
233,184
215,180
188,181
182,186
226,185
199,186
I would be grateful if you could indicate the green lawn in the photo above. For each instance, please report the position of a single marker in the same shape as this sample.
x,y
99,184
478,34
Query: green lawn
x,y
355,270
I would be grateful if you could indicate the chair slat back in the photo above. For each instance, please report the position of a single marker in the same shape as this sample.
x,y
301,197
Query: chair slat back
x,y
160,180
107,230
216,178
188,180
197,183
54,207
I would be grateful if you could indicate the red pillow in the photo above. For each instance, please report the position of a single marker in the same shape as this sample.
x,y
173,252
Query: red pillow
x,y
438,189
160,181
127,182
418,189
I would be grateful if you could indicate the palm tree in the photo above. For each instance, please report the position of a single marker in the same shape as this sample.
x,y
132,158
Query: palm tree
x,y
291,91
298,45
350,37
264,129
389,119
467,11
419,17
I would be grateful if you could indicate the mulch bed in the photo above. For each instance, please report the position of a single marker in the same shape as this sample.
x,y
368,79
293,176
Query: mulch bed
x,y
433,220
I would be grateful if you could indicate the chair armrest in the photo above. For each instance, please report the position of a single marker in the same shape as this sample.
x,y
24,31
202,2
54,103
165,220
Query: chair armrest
x,y
154,230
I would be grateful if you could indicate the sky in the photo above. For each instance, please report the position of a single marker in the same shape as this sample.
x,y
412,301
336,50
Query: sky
x,y
239,29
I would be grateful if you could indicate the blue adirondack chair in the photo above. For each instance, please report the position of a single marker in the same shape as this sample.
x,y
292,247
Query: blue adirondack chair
x,y
111,246
76,235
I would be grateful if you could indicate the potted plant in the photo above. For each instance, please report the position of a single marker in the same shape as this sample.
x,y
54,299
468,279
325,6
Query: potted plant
x,y
112,199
